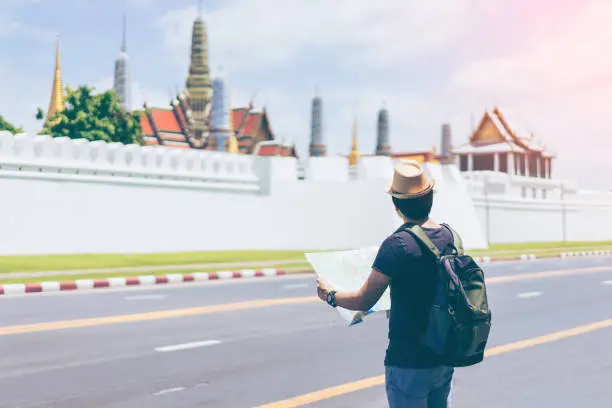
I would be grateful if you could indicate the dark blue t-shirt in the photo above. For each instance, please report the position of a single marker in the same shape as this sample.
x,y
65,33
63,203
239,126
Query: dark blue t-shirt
x,y
413,280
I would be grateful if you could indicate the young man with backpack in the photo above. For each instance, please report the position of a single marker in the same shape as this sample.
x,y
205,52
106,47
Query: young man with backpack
x,y
439,317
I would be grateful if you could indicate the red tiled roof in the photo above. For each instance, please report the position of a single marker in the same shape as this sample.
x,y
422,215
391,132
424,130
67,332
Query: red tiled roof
x,y
252,120
274,150
268,150
413,153
145,124
149,140
175,137
165,120
251,123
180,145
237,115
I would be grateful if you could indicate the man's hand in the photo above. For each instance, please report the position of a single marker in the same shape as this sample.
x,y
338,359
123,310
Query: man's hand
x,y
323,289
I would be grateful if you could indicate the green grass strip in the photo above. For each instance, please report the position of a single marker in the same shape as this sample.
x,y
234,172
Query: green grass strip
x,y
35,263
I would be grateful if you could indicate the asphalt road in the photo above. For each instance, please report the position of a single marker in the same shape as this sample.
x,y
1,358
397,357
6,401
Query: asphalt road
x,y
260,353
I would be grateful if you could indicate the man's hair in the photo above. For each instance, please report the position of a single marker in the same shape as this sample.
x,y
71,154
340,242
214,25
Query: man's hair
x,y
415,208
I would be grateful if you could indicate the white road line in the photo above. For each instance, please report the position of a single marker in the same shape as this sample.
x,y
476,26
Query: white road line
x,y
168,391
607,282
187,346
146,297
529,295
294,286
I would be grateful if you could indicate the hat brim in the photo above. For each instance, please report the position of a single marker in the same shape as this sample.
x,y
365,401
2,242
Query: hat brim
x,y
421,193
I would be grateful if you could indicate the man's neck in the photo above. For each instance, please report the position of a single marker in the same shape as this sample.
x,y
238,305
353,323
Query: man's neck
x,y
426,223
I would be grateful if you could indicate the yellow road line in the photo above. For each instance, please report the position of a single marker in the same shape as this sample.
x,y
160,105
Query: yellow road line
x,y
139,317
336,391
547,274
168,314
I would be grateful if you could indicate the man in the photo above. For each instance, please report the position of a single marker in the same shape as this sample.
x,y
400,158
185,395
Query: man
x,y
414,377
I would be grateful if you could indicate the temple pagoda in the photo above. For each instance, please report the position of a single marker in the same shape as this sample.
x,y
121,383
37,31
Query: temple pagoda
x,y
495,145
187,122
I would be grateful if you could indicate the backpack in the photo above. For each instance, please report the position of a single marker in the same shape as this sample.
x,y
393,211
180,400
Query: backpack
x,y
459,318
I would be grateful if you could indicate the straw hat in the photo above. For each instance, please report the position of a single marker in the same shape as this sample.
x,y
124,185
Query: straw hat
x,y
410,180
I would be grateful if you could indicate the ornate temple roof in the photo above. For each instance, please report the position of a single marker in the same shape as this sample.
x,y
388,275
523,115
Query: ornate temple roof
x,y
170,127
495,133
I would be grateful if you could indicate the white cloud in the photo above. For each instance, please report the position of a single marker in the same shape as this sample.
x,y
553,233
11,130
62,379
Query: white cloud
x,y
262,33
561,85
570,61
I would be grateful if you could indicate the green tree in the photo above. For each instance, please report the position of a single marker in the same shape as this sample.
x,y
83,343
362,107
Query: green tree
x,y
4,125
93,117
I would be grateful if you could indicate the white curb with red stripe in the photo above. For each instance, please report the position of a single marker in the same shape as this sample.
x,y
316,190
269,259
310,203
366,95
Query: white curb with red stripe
x,y
21,288
87,284
531,257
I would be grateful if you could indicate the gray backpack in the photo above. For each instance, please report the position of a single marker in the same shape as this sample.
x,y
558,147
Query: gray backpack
x,y
459,318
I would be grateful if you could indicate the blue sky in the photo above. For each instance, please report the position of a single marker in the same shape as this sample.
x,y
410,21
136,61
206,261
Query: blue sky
x,y
434,61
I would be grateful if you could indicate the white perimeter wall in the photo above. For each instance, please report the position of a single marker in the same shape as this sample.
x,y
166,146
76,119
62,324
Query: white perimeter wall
x,y
73,196
521,209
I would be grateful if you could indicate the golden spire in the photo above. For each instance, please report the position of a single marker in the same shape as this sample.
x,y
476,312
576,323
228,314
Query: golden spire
x,y
353,156
57,91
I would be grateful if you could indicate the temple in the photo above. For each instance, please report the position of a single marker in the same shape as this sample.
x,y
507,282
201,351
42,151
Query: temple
x,y
188,122
496,146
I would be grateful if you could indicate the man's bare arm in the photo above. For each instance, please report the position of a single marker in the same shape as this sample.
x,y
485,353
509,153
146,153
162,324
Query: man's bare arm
x,y
362,300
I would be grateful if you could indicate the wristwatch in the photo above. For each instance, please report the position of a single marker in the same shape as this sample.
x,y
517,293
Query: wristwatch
x,y
331,298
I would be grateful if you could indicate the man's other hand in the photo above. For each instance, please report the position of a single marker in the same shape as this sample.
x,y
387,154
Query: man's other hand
x,y
323,289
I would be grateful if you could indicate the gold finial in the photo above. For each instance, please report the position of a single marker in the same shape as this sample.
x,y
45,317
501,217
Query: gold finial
x,y
57,91
232,144
353,156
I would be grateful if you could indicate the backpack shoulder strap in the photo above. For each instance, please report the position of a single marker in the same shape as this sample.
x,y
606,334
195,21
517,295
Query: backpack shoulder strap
x,y
457,241
419,234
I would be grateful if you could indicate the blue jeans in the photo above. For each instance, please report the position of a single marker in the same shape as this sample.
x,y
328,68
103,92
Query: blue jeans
x,y
418,387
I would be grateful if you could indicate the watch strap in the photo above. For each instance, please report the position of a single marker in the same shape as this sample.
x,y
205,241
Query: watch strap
x,y
331,298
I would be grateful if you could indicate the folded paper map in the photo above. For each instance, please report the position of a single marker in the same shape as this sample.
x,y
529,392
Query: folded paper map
x,y
346,271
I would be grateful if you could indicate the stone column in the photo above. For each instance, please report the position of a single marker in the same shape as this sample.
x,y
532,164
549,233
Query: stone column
x,y
538,168
510,164
470,165
526,165
496,162
549,167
